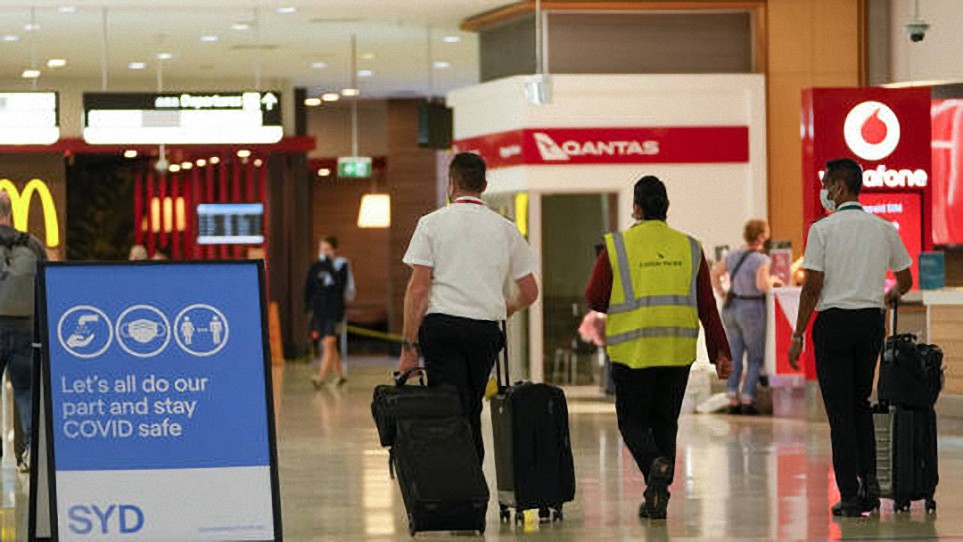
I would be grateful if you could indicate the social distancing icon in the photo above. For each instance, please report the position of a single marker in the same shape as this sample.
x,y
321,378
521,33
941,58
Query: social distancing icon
x,y
202,330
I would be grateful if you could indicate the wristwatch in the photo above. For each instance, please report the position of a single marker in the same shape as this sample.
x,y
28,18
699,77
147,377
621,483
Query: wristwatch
x,y
409,344
796,338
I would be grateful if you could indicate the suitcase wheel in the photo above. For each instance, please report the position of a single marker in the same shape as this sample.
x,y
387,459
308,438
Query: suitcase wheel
x,y
504,514
519,517
544,515
930,506
412,528
557,514
901,506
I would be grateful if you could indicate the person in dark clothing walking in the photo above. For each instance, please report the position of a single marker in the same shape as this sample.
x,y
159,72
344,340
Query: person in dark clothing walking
x,y
328,287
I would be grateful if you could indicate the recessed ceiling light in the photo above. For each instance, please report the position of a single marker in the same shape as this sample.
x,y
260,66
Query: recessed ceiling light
x,y
312,102
324,172
136,65
174,168
215,160
10,38
186,165
367,56
30,74
350,92
209,38
201,162
365,73
56,63
165,56
30,27
451,39
330,96
319,65
258,162
243,153
67,9
130,153
286,10
442,64
241,26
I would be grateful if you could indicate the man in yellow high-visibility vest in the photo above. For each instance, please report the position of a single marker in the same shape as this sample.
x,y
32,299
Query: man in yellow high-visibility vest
x,y
653,282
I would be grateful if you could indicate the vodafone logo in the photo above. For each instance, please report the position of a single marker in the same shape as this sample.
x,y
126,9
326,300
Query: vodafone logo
x,y
554,152
872,131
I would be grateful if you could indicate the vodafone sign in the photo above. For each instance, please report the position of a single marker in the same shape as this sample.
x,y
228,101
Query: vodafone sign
x,y
886,130
575,146
871,130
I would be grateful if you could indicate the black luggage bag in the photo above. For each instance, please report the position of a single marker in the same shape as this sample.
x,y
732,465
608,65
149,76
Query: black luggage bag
x,y
441,481
533,450
394,402
910,381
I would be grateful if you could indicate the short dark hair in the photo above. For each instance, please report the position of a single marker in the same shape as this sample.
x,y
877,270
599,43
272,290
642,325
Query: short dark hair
x,y
331,240
468,171
651,196
848,171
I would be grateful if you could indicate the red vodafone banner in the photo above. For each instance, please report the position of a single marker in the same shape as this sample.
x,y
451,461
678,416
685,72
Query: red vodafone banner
x,y
577,146
888,132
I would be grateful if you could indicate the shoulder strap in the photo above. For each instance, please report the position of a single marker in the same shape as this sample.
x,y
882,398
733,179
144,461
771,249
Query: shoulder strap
x,y
735,270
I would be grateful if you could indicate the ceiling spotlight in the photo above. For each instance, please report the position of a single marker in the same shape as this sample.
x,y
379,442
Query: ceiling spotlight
x,y
186,165
451,39
319,65
10,38
365,73
201,162
286,10
67,9
56,63
209,38
130,153
215,160
312,102
330,96
174,168
348,92
30,27
324,172
136,65
258,163
30,74
241,26
243,153
165,56
442,65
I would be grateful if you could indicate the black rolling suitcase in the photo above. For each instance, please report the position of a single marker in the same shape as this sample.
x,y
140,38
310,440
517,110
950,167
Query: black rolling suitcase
x,y
441,481
392,403
910,381
533,451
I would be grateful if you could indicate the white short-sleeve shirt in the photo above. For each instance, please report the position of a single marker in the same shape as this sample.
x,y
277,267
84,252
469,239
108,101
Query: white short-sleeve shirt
x,y
854,249
473,251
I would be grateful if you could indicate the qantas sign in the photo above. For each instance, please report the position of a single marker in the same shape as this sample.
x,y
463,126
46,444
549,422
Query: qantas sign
x,y
578,146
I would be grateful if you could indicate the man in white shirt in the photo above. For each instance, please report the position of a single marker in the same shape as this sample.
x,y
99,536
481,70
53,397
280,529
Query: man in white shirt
x,y
847,256
461,258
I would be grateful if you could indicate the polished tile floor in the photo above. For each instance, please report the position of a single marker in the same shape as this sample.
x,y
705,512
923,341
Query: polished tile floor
x,y
737,479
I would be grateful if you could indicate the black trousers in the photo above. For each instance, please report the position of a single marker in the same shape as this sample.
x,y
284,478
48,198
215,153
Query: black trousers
x,y
648,402
462,352
847,345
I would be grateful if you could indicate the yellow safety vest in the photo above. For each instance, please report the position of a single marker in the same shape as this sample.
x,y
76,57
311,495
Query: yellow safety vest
x,y
653,317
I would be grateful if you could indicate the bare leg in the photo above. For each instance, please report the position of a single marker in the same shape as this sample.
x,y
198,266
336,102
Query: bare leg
x,y
330,356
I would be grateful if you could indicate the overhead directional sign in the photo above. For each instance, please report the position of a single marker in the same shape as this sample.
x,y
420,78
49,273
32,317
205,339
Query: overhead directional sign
x,y
28,118
185,118
354,167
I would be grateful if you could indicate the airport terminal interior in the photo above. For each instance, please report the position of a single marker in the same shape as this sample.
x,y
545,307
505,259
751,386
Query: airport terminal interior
x,y
197,178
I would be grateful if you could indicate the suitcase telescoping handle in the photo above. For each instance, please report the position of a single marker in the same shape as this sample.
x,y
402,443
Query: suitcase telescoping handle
x,y
402,378
503,360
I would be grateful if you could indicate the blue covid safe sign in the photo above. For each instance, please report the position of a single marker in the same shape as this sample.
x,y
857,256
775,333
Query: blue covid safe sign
x,y
159,402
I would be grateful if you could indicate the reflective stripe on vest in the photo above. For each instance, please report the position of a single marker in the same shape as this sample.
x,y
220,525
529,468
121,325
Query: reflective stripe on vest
x,y
653,332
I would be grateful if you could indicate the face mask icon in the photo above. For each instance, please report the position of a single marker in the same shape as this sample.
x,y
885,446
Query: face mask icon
x,y
143,330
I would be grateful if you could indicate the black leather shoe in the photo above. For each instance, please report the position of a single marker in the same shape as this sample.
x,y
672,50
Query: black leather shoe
x,y
644,510
657,494
869,494
750,410
733,409
848,508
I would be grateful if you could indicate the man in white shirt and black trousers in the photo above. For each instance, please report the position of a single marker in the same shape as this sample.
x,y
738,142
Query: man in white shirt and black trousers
x,y
461,257
847,256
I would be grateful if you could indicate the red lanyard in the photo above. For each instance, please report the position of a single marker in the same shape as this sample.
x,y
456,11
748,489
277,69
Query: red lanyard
x,y
470,201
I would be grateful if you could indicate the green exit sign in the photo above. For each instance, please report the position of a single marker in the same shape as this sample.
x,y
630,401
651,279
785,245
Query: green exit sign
x,y
354,167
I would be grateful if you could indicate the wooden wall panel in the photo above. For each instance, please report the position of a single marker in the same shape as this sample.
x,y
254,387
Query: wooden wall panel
x,y
945,325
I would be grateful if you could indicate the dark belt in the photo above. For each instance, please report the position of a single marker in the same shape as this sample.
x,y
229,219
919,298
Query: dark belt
x,y
749,297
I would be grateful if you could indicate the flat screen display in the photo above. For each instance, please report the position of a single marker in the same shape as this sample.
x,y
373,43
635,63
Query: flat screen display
x,y
947,122
230,223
